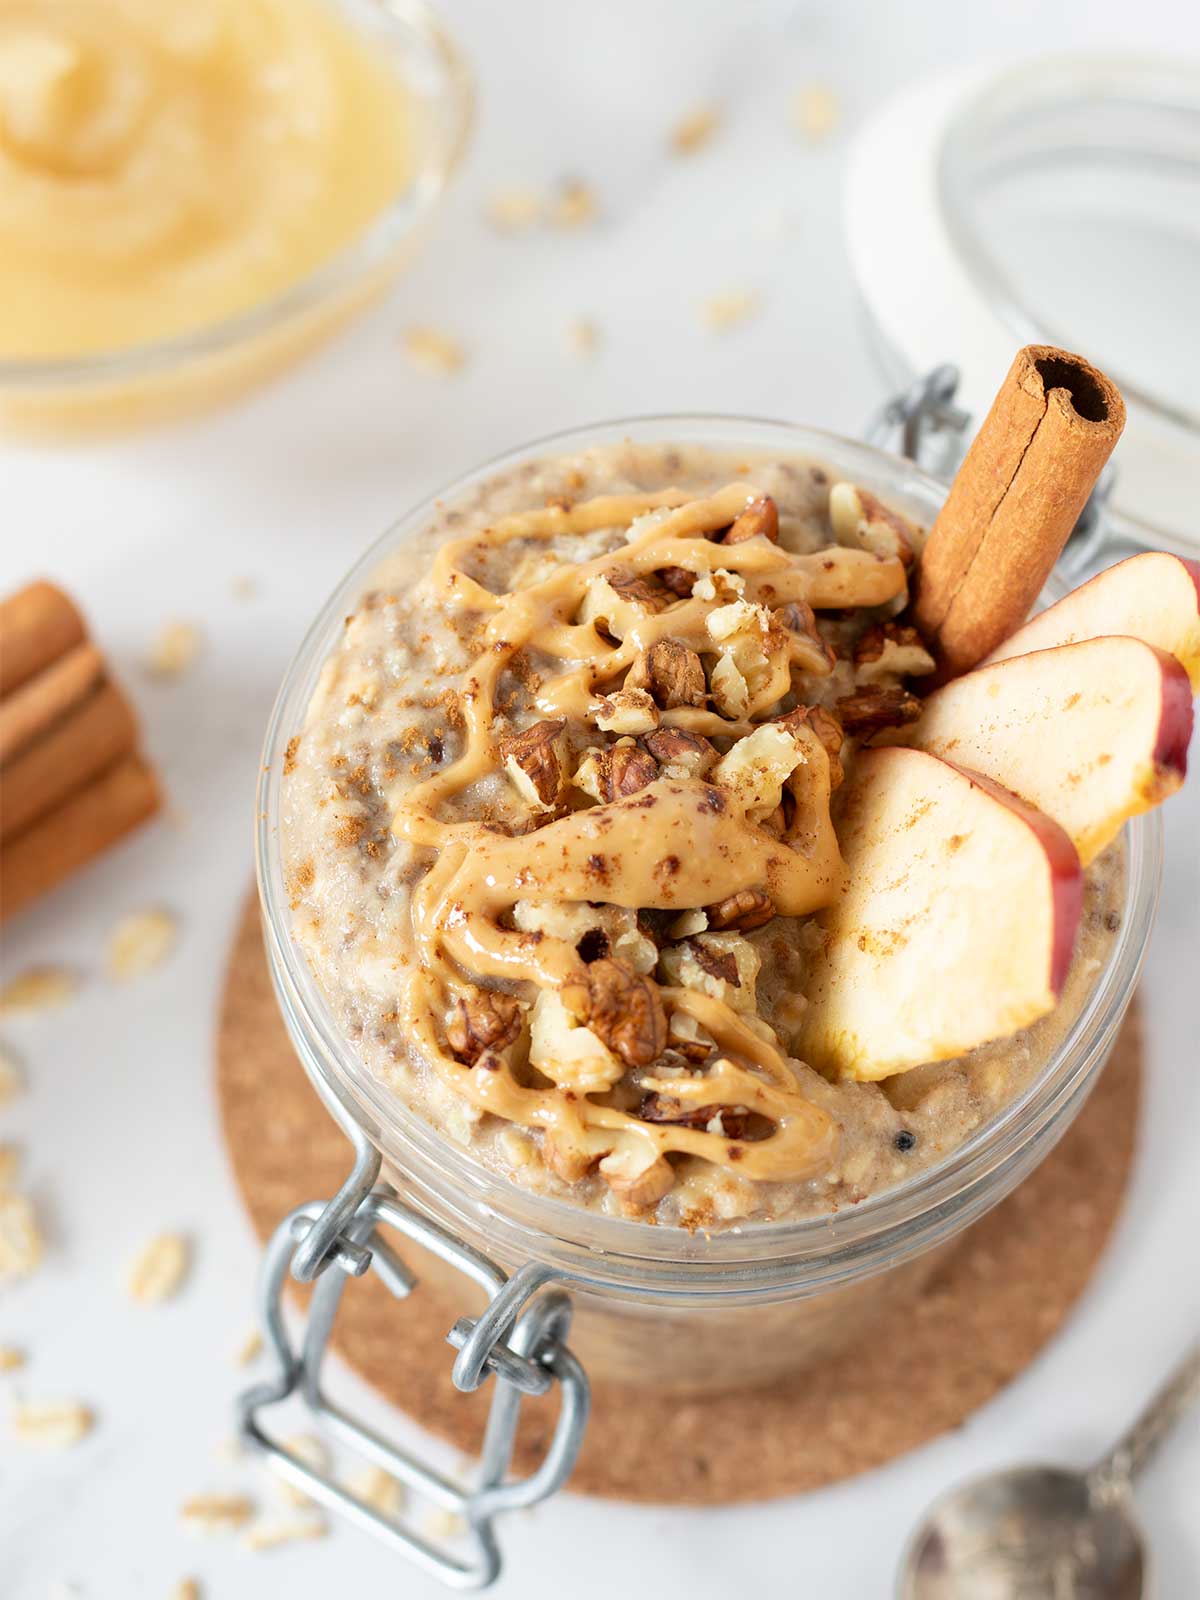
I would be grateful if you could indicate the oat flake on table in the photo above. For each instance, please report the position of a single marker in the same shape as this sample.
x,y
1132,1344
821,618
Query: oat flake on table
x,y
695,130
139,942
514,208
12,1079
174,650
583,337
11,1359
20,1236
249,1349
311,1452
10,1165
271,1535
379,1490
38,989
158,1270
433,351
52,1424
216,1513
815,111
574,204
727,309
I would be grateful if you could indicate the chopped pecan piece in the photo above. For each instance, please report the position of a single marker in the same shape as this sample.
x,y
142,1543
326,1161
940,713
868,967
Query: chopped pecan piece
x,y
761,517
717,963
485,1020
735,1120
642,591
622,1008
683,754
533,761
671,673
678,580
892,647
871,709
747,909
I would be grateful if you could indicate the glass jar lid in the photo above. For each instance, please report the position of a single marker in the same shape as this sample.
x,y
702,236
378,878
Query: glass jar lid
x,y
1057,201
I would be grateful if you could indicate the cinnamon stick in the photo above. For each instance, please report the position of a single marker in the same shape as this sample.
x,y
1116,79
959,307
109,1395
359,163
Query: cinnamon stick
x,y
83,744
1014,502
75,832
38,624
47,698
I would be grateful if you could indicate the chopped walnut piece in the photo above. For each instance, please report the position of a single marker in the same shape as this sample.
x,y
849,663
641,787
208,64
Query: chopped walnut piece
x,y
610,774
760,519
747,909
678,580
810,651
533,761
622,1008
869,710
570,1054
861,519
723,965
638,1190
827,729
629,711
730,691
889,647
687,1038
565,1159
485,1019
671,673
681,754
734,1120
639,590
755,769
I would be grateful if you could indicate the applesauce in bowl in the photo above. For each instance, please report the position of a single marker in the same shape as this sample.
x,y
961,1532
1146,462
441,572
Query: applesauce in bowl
x,y
876,1176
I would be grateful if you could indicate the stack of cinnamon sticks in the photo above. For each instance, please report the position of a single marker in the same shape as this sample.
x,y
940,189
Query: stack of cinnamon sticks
x,y
71,780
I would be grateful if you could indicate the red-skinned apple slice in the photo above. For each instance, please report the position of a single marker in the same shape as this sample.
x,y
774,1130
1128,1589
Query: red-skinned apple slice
x,y
955,926
1090,733
1154,597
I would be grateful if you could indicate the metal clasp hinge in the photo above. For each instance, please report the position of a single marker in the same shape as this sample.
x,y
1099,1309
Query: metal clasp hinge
x,y
522,1345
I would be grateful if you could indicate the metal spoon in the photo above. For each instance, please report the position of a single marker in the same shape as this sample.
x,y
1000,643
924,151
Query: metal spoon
x,y
1043,1533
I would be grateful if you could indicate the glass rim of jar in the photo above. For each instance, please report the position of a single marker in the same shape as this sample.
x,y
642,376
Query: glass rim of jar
x,y
409,26
633,1259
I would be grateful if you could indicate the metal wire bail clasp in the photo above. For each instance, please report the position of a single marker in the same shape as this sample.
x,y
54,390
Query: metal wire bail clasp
x,y
521,1344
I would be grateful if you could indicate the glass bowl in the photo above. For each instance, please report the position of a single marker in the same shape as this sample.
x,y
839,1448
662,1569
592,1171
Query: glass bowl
x,y
657,1305
165,377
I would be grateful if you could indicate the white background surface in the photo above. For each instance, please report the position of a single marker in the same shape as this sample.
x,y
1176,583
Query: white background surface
x,y
119,1126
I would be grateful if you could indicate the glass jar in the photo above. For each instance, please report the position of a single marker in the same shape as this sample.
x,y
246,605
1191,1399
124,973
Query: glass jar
x,y
658,1305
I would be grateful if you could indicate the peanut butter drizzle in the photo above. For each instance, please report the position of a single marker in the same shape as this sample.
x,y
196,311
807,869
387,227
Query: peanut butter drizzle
x,y
677,844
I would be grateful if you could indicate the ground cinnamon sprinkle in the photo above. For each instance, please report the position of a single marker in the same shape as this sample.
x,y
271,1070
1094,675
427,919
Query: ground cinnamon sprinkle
x,y
348,830
289,755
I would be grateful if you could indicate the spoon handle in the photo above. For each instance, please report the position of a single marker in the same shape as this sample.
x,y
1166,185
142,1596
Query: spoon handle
x,y
1138,1443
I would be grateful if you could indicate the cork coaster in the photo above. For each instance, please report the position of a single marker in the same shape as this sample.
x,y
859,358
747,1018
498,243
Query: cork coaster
x,y
987,1311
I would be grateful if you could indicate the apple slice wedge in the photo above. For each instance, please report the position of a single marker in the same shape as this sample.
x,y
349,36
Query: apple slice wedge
x,y
1090,733
955,925
1154,597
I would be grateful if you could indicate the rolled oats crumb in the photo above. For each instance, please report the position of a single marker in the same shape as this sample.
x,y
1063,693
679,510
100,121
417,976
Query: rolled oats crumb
x,y
379,1490
174,650
693,131
249,1349
729,308
158,1270
312,1452
514,208
434,351
244,588
52,1424
38,989
815,111
10,1165
11,1359
210,1514
139,942
186,1589
442,1524
269,1535
583,337
20,1237
574,204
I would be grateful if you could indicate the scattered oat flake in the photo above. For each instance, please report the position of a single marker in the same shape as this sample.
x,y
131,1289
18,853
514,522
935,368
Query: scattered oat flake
x,y
216,1513
270,1535
11,1360
815,111
433,351
186,1589
379,1490
38,989
10,1165
514,208
694,131
12,1079
310,1450
20,1237
249,1350
139,942
244,588
727,309
174,650
443,1524
52,1424
574,204
159,1268
583,337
